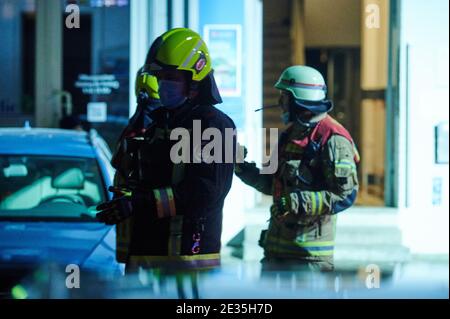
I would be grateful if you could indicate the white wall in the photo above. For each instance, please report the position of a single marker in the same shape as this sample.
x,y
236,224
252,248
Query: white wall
x,y
423,104
242,198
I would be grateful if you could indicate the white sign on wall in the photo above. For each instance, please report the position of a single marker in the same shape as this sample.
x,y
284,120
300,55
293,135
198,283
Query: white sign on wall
x,y
101,84
224,44
96,112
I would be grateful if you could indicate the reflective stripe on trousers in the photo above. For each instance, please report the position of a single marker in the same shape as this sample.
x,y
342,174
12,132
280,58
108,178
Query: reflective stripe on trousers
x,y
301,249
201,261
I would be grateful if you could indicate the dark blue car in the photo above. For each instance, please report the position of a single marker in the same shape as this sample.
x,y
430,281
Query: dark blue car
x,y
50,183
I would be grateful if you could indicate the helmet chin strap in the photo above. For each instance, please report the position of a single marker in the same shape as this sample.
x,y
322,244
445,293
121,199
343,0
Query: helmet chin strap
x,y
311,123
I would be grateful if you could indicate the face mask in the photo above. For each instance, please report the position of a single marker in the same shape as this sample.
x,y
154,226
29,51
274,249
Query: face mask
x,y
171,93
286,118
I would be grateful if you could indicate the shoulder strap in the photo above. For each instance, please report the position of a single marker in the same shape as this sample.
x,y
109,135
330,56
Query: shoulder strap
x,y
328,127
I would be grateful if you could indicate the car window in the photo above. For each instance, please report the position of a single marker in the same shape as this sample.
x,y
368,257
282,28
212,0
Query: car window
x,y
49,186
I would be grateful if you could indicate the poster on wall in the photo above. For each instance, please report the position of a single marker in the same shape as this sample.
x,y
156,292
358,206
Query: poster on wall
x,y
441,143
224,44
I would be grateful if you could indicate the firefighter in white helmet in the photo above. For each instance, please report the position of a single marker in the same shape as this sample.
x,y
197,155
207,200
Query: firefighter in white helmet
x,y
316,177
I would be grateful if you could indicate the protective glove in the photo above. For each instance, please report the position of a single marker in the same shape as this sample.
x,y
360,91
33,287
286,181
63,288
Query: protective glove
x,y
241,154
114,211
242,167
246,168
286,204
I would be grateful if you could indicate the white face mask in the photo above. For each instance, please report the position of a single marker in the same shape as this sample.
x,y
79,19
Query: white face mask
x,y
171,93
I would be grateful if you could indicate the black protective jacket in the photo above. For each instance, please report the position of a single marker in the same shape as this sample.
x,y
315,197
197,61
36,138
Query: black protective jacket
x,y
199,188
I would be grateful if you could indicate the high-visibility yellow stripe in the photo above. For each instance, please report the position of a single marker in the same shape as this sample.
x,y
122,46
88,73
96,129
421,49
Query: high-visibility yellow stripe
x,y
298,252
176,258
343,161
353,168
195,262
320,203
345,164
159,206
315,243
171,201
299,243
313,203
165,202
280,250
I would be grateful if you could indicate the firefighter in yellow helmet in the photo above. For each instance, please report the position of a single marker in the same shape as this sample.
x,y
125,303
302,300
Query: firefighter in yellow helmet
x,y
316,177
146,91
176,206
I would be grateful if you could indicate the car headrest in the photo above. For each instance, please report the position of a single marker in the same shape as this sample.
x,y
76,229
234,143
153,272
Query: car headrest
x,y
71,179
15,170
